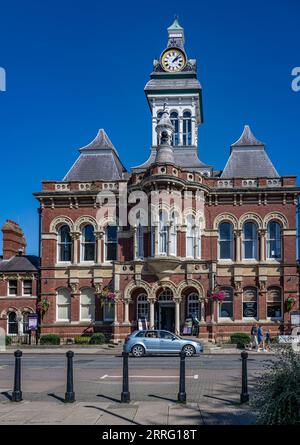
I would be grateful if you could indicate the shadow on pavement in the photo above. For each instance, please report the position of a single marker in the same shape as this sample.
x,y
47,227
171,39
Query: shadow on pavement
x,y
229,402
7,395
163,398
56,397
109,398
112,414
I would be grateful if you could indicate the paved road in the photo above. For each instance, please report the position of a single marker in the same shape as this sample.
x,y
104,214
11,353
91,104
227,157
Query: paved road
x,y
99,378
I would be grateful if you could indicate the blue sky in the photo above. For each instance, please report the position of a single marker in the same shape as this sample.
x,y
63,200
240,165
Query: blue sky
x,y
76,66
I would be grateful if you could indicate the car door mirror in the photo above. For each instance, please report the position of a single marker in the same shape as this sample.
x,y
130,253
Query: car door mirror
x,y
174,338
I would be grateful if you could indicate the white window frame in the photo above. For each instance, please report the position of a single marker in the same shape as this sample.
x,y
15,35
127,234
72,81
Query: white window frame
x,y
106,242
58,246
268,240
63,320
92,304
163,231
281,304
83,243
107,307
192,301
23,288
185,132
254,241
175,120
8,289
231,240
8,323
226,291
142,300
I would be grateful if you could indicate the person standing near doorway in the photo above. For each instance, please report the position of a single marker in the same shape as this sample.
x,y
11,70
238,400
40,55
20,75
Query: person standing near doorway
x,y
254,342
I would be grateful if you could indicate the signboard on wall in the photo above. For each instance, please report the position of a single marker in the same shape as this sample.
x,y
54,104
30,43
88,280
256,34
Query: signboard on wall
x,y
32,322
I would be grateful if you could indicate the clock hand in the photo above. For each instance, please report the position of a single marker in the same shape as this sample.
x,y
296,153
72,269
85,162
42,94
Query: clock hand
x,y
174,60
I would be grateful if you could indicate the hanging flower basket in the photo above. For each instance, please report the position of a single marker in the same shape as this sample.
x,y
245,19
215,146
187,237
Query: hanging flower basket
x,y
107,296
43,306
217,296
289,302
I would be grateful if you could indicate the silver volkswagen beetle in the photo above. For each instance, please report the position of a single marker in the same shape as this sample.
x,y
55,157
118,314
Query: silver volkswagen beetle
x,y
156,341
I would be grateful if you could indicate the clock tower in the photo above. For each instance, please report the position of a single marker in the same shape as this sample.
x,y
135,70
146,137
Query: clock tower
x,y
173,82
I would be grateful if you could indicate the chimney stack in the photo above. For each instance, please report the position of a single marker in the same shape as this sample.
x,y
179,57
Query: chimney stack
x,y
14,242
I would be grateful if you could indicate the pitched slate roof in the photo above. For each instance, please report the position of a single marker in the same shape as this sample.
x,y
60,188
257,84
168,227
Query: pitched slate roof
x,y
184,157
249,159
20,263
98,160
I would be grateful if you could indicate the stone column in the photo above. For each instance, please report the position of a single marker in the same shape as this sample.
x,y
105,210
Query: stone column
x,y
202,310
75,238
152,302
156,234
193,130
177,316
126,312
180,127
238,234
262,233
99,238
116,312
135,243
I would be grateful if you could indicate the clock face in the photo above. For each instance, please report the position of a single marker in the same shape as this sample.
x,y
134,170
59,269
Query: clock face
x,y
173,60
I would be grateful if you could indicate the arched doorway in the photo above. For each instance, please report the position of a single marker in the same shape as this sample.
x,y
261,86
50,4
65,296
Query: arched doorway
x,y
165,311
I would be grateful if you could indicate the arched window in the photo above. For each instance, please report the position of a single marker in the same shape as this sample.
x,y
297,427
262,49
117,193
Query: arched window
x,y
174,120
142,307
25,322
274,240
226,241
226,305
173,235
163,238
193,240
250,241
63,312
193,306
250,302
166,295
87,305
274,303
111,243
64,243
12,322
88,243
187,128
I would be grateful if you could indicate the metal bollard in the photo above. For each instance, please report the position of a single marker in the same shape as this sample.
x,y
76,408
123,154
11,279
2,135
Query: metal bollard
x,y
125,396
70,394
244,394
17,393
182,393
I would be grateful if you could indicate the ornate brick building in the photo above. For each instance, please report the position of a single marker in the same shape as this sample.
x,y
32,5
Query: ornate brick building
x,y
18,281
229,232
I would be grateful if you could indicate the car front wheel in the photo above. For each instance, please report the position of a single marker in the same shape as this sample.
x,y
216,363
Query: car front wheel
x,y
138,351
189,350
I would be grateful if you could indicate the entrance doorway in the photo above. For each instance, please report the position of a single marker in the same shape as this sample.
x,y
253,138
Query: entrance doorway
x,y
165,316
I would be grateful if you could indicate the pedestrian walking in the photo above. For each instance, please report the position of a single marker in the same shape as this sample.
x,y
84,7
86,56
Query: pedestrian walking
x,y
260,338
268,340
254,343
